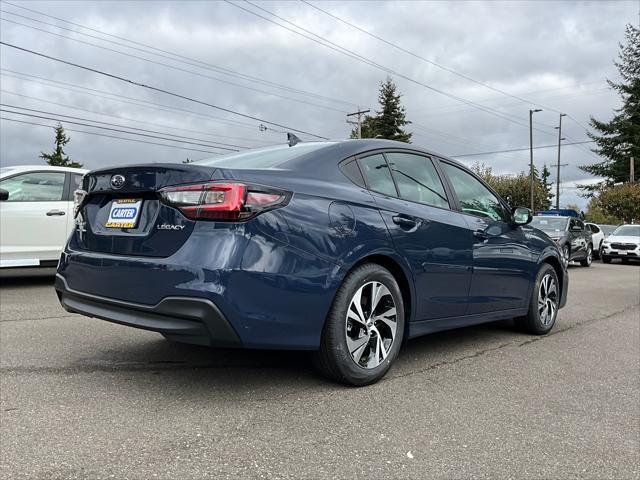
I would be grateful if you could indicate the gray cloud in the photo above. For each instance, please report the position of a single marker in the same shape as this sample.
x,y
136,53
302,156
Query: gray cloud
x,y
557,54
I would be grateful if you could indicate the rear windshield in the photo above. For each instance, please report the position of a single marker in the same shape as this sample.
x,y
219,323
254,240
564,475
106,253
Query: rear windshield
x,y
269,157
550,224
628,231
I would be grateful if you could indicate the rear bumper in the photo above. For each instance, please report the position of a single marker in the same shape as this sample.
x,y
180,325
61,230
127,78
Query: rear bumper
x,y
185,319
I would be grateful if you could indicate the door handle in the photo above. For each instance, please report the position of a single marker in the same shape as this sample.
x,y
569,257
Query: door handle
x,y
55,213
480,234
404,221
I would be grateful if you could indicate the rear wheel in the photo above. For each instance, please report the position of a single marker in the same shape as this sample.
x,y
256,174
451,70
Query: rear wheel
x,y
364,329
589,258
544,303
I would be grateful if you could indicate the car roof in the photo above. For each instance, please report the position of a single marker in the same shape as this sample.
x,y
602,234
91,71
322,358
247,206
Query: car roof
x,y
13,169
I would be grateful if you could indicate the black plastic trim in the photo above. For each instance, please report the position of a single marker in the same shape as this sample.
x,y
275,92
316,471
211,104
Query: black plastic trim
x,y
184,319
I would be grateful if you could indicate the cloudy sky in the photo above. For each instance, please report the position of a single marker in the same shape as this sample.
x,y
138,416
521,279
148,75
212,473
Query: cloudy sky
x,y
468,71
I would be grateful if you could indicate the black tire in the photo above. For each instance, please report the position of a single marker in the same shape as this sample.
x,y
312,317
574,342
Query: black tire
x,y
533,322
333,359
605,259
589,258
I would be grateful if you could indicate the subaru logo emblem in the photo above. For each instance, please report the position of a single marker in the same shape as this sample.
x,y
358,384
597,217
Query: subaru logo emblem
x,y
117,182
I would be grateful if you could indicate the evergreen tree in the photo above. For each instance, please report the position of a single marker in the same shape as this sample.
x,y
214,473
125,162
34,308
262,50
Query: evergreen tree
x,y
389,120
619,139
58,157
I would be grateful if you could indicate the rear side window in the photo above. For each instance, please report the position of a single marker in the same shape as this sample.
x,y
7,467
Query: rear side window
x,y
376,172
352,172
417,179
35,187
475,199
593,228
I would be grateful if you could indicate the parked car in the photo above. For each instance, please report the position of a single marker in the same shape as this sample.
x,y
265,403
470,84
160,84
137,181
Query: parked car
x,y
623,243
571,235
597,236
559,212
36,214
343,248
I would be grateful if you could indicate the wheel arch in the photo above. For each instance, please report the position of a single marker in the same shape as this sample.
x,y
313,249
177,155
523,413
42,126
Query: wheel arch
x,y
557,266
400,274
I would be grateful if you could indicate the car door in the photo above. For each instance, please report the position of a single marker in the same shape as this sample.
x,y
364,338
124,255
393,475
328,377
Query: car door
x,y
34,219
503,262
431,236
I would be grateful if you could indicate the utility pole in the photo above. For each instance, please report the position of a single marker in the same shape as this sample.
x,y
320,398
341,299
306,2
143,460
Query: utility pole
x,y
558,172
531,112
359,114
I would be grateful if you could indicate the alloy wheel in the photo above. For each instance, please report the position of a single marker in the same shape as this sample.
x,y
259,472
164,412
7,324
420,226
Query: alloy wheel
x,y
589,255
565,255
548,299
371,325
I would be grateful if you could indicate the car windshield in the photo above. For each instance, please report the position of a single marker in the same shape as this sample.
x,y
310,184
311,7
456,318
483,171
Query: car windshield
x,y
269,157
627,231
607,229
550,224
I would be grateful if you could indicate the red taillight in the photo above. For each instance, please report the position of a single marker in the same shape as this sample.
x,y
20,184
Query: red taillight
x,y
222,201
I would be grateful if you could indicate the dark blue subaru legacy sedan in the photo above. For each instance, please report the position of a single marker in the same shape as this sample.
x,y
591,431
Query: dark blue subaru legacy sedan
x,y
343,248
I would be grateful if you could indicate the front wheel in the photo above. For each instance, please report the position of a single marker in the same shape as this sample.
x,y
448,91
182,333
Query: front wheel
x,y
364,329
589,258
566,255
544,303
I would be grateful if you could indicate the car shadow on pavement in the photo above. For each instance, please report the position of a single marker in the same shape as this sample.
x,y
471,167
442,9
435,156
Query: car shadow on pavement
x,y
190,368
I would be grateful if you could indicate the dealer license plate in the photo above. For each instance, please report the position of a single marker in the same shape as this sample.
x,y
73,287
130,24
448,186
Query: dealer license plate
x,y
124,213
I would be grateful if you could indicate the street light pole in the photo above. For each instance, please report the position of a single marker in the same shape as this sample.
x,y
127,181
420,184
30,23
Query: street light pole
x,y
531,112
558,172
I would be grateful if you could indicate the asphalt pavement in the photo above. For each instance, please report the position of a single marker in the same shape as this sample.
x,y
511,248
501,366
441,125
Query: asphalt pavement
x,y
83,398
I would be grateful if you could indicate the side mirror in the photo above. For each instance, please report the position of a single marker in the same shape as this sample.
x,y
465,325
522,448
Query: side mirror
x,y
521,216
4,195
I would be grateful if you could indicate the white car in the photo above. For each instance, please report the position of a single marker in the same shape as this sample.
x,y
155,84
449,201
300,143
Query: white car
x,y
623,243
597,236
36,213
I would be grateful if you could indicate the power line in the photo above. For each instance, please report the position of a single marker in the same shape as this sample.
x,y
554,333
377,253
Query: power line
x,y
520,149
415,55
123,118
173,56
58,118
173,67
166,92
447,69
225,146
334,46
134,101
112,136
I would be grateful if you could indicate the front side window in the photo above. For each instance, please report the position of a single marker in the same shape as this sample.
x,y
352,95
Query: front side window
x,y
35,187
417,179
475,199
376,172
